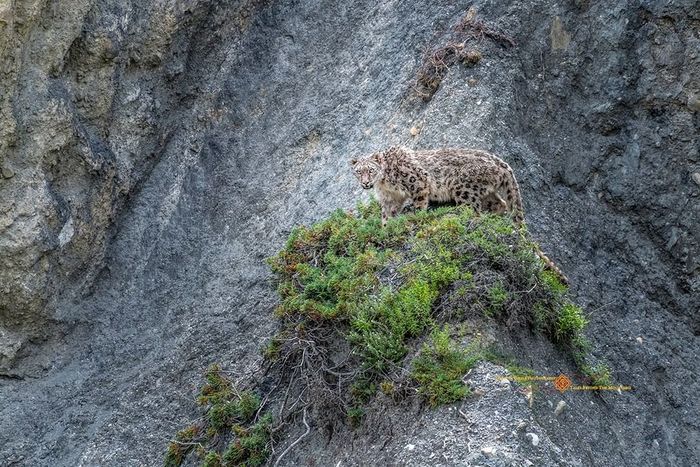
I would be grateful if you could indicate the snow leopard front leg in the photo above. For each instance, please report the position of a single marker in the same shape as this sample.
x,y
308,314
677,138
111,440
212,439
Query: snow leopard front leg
x,y
389,209
391,206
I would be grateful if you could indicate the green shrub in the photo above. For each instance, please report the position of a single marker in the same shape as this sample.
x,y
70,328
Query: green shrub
x,y
599,374
553,283
229,411
378,288
181,446
251,447
272,350
223,414
440,367
363,389
212,459
498,297
355,416
357,298
330,271
570,322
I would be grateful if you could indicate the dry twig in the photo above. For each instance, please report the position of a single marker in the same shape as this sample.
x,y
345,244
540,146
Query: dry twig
x,y
289,448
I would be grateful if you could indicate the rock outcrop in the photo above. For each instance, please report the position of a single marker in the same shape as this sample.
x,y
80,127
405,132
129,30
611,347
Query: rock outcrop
x,y
153,153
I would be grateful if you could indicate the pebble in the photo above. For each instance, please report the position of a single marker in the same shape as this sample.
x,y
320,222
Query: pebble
x,y
414,131
410,447
696,178
534,439
673,240
530,396
488,451
640,340
9,173
560,408
66,233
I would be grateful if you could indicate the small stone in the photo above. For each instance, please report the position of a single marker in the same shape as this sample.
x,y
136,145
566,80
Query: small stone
x,y
472,57
560,408
10,344
534,439
471,82
7,172
694,102
410,447
696,178
471,14
415,130
673,239
529,395
558,36
655,443
640,340
488,451
522,425
66,233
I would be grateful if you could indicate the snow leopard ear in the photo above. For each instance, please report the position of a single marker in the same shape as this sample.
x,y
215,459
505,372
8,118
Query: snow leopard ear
x,y
353,161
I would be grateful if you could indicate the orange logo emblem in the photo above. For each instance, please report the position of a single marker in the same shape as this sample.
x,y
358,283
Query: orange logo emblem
x,y
562,383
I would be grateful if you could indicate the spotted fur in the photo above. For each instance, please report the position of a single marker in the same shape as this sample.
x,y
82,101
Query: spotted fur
x,y
477,178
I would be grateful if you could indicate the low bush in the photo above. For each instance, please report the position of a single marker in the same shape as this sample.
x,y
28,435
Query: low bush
x,y
366,309
230,414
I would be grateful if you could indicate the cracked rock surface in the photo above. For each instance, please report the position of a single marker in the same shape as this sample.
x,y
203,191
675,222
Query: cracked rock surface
x,y
154,152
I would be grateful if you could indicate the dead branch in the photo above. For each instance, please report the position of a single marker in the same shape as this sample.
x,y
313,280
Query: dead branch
x,y
289,448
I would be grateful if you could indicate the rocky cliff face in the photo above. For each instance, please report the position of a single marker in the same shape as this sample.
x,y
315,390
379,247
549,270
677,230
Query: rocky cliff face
x,y
153,153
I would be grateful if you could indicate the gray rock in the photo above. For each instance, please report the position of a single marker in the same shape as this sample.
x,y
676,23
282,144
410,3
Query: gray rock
x,y
695,176
7,172
10,343
533,438
186,139
561,405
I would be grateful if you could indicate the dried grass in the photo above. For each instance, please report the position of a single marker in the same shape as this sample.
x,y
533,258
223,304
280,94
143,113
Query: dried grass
x,y
462,48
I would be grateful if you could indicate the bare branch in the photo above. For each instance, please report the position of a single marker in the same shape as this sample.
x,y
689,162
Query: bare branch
x,y
308,429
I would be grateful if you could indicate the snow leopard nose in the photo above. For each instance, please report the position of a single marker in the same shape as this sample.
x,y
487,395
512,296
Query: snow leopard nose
x,y
367,185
